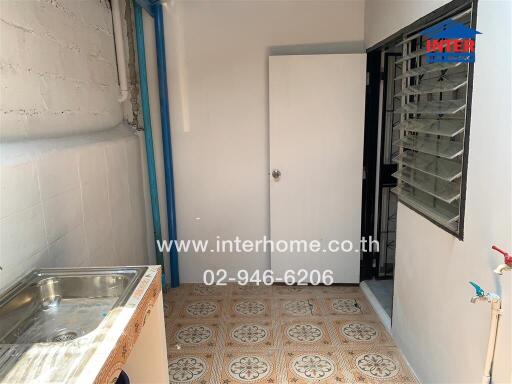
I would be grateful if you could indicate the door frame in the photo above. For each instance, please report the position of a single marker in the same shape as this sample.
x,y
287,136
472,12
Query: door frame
x,y
373,149
385,172
371,126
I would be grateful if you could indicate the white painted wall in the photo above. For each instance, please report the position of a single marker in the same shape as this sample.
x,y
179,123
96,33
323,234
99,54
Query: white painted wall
x,y
385,17
442,334
70,194
221,165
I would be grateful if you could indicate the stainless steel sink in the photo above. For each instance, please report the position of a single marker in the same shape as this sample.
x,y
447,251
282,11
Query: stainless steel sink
x,y
57,305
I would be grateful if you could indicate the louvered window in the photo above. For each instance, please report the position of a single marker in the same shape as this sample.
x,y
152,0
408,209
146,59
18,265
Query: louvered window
x,y
433,129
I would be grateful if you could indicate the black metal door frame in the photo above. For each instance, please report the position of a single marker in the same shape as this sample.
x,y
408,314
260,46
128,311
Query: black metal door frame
x,y
371,124
386,170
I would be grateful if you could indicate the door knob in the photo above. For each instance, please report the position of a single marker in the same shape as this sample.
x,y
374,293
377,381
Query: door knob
x,y
276,174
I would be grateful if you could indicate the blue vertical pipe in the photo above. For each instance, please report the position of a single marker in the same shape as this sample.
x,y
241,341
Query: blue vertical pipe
x,y
148,135
166,138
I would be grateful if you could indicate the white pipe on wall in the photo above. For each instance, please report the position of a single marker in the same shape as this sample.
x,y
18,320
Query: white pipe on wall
x,y
121,62
493,334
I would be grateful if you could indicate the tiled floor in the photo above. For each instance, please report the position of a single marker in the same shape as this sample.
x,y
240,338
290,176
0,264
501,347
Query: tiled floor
x,y
258,334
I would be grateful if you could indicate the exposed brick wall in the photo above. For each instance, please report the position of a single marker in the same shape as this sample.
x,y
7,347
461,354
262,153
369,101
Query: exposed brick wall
x,y
58,70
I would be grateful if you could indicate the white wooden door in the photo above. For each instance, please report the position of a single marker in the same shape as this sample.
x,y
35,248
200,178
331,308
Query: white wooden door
x,y
316,143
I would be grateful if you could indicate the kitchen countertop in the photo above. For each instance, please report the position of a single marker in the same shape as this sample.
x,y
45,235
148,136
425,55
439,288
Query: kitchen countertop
x,y
97,357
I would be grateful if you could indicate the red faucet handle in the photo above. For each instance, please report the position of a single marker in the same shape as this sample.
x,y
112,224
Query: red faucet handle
x,y
508,258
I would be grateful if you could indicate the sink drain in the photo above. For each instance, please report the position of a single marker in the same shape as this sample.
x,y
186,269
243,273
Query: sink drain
x,y
63,335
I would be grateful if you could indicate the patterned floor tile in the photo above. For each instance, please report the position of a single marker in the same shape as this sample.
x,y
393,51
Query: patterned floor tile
x,y
251,334
377,364
177,294
200,308
305,333
190,368
295,290
298,306
251,290
249,307
278,335
192,334
202,290
250,366
347,304
361,331
170,309
306,367
313,290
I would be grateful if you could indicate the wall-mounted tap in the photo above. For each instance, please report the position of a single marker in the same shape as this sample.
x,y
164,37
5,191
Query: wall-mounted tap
x,y
495,300
482,296
507,265
502,268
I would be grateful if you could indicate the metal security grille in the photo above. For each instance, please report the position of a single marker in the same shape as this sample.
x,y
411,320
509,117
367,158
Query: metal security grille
x,y
433,130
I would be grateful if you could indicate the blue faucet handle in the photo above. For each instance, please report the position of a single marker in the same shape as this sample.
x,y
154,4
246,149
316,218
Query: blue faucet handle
x,y
478,290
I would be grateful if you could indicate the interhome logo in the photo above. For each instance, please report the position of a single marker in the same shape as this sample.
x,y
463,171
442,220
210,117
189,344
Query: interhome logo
x,y
450,42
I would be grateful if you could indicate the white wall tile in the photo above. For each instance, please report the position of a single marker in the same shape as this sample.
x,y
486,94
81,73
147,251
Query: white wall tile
x,y
92,167
117,175
62,213
104,254
120,204
11,273
21,235
41,259
76,224
123,226
134,171
98,222
92,164
70,250
123,238
19,188
58,172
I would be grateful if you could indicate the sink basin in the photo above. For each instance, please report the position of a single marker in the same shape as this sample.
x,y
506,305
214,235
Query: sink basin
x,y
58,305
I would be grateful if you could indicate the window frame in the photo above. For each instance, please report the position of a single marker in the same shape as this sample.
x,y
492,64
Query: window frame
x,y
449,10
